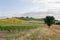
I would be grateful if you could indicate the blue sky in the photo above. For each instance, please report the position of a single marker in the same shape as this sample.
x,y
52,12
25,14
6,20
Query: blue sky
x,y
10,8
12,5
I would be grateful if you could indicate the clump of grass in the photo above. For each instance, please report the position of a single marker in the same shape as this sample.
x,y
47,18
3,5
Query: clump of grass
x,y
35,35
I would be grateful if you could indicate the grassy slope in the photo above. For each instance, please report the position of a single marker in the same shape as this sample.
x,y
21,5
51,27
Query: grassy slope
x,y
8,25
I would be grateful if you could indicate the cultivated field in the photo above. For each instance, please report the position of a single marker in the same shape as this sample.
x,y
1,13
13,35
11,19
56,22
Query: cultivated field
x,y
28,30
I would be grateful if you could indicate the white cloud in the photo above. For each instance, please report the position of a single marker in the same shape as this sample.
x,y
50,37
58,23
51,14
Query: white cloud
x,y
40,4
53,0
39,1
36,6
53,4
44,5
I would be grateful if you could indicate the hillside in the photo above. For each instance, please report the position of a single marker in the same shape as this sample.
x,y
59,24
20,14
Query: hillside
x,y
11,20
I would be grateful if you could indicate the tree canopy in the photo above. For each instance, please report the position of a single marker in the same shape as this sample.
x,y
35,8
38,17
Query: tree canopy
x,y
49,20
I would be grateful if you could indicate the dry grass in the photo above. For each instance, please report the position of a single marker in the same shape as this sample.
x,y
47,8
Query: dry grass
x,y
45,33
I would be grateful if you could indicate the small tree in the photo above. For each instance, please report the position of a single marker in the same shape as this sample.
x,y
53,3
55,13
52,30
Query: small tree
x,y
49,20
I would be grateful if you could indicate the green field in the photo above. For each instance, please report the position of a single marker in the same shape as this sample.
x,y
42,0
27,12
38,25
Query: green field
x,y
15,26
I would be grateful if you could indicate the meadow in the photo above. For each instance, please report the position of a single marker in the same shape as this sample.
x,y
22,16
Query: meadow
x,y
28,30
15,26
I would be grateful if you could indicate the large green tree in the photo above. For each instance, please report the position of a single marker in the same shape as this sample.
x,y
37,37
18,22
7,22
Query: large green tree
x,y
49,20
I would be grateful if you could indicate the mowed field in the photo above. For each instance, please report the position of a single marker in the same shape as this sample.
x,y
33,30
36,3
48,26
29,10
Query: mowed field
x,y
28,30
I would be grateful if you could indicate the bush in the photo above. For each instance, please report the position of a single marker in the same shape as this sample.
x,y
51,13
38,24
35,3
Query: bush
x,y
57,23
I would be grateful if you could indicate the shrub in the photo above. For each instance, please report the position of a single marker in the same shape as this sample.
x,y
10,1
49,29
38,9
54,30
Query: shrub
x,y
57,23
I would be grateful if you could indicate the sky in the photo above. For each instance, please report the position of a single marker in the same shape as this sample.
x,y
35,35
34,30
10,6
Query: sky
x,y
11,8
